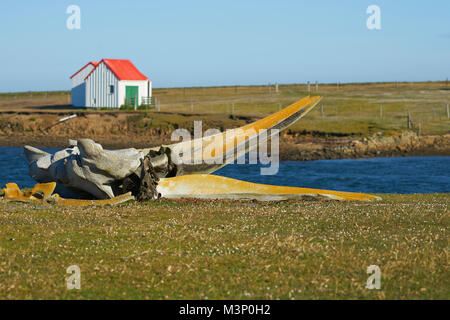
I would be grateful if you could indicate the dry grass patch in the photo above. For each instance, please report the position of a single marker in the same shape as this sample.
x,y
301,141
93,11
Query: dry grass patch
x,y
223,249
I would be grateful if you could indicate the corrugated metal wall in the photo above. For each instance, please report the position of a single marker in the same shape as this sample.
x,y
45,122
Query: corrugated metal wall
x,y
97,88
78,95
79,77
79,87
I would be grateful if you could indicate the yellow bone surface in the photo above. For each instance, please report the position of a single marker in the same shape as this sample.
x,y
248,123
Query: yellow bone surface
x,y
44,190
219,144
12,192
204,184
40,191
83,203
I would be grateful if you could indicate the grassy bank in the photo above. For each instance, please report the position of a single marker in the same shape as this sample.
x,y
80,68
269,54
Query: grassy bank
x,y
346,109
221,249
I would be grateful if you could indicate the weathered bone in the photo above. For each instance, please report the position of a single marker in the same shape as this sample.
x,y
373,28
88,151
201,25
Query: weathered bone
x,y
43,193
85,167
208,186
228,147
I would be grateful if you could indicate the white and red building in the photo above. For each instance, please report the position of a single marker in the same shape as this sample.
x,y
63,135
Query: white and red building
x,y
110,83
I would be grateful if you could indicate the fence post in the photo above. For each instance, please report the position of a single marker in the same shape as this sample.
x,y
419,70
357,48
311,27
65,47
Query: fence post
x,y
321,110
276,88
408,124
308,87
232,108
317,87
420,129
192,107
448,112
381,112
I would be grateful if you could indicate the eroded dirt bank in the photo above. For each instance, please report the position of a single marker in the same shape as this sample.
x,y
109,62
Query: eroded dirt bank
x,y
403,144
123,130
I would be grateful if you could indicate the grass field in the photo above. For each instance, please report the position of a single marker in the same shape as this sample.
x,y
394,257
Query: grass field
x,y
190,249
349,109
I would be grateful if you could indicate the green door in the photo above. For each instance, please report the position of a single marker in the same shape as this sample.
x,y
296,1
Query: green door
x,y
132,95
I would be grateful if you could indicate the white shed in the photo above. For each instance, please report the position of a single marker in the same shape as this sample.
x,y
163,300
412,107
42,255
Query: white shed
x,y
79,85
110,83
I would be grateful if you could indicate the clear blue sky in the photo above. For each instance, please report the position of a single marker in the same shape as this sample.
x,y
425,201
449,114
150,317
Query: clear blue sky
x,y
205,43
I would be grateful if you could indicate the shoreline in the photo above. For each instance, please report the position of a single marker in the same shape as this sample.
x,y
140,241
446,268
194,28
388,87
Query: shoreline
x,y
293,146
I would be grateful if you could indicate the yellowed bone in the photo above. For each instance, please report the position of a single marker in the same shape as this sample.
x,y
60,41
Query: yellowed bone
x,y
12,192
42,192
219,144
84,203
212,152
207,186
248,131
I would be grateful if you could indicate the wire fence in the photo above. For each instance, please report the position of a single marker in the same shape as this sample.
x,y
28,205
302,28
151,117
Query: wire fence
x,y
434,118
342,102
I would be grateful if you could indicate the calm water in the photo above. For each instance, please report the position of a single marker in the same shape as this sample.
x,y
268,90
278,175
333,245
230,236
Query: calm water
x,y
378,175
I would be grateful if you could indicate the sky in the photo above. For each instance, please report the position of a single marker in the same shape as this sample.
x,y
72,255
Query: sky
x,y
210,43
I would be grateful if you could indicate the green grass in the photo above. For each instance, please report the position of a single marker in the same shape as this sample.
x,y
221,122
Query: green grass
x,y
190,249
351,109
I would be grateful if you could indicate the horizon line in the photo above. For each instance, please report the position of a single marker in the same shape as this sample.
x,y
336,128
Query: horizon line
x,y
264,85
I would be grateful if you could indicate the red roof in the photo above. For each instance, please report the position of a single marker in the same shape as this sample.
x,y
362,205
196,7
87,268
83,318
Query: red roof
x,y
122,69
94,64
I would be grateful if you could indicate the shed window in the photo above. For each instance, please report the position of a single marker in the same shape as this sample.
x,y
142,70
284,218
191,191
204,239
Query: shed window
x,y
111,89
